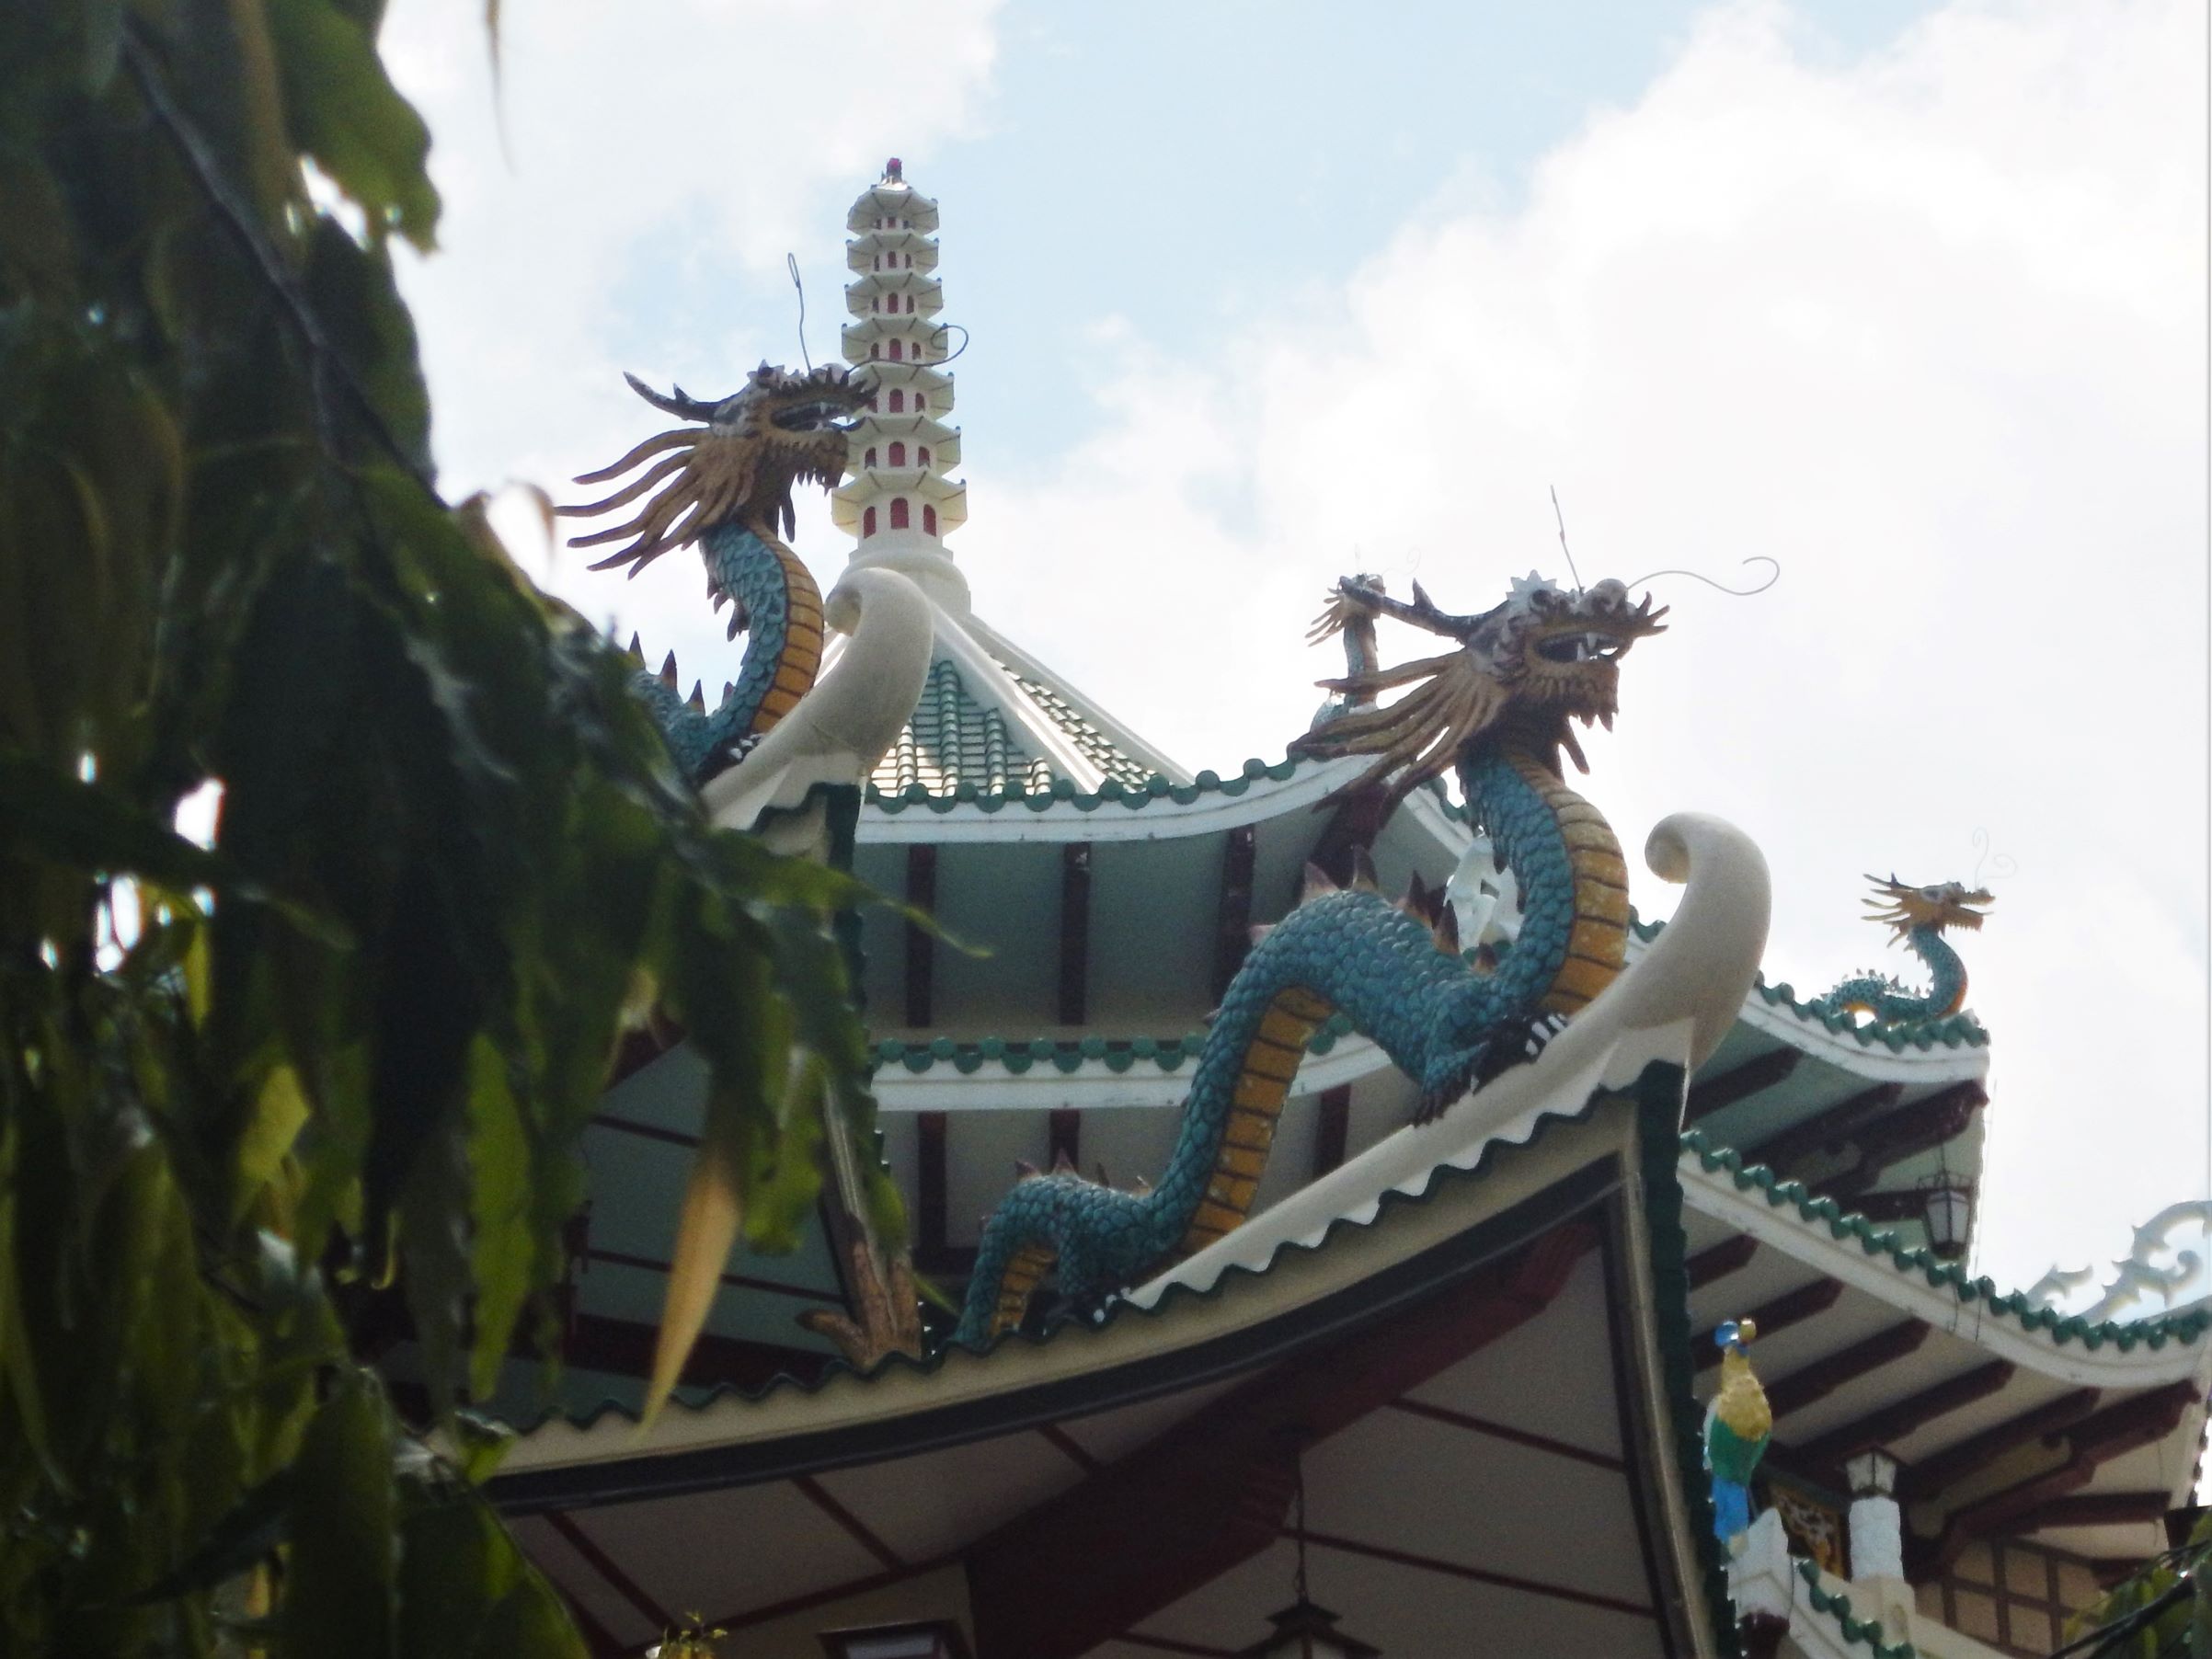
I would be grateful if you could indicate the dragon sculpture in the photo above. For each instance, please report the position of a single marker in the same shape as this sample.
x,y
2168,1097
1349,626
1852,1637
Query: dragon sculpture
x,y
727,484
1918,917
1498,708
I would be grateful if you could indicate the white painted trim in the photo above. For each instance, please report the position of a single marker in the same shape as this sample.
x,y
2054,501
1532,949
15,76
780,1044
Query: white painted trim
x,y
1712,1193
1092,1086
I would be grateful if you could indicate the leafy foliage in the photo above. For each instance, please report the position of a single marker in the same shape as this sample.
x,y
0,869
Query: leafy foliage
x,y
343,1051
2162,1611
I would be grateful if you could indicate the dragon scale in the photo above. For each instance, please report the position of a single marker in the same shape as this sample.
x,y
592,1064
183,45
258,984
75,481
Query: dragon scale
x,y
783,608
1441,1021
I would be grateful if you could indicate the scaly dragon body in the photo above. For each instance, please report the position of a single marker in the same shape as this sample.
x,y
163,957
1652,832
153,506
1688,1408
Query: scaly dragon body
x,y
726,485
1917,917
1496,711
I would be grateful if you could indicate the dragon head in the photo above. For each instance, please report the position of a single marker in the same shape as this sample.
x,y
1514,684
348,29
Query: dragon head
x,y
1945,905
739,464
1544,658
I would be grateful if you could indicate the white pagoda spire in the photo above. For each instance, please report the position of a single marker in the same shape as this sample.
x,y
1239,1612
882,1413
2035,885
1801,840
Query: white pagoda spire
x,y
897,502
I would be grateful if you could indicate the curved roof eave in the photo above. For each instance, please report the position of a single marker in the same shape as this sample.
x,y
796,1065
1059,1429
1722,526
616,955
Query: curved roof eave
x,y
1821,1233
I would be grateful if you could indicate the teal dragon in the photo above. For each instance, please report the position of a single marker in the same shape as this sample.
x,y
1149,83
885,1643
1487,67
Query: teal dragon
x,y
726,484
1918,917
1498,709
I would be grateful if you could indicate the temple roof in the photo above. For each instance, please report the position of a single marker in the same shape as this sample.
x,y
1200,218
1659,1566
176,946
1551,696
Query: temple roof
x,y
959,747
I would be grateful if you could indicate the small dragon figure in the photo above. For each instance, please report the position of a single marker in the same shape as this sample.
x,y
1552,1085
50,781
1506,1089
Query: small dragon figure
x,y
726,484
1918,917
1499,707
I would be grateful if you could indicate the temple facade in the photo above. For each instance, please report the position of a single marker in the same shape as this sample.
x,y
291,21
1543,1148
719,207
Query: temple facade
x,y
1444,1390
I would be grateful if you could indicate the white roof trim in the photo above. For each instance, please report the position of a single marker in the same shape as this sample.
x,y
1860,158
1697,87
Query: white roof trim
x,y
1714,1193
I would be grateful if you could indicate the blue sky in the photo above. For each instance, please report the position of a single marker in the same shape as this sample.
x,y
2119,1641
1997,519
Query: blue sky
x,y
1912,297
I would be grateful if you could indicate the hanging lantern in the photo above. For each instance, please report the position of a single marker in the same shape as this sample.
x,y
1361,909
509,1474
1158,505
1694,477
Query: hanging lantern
x,y
1303,1631
1873,1473
1950,1211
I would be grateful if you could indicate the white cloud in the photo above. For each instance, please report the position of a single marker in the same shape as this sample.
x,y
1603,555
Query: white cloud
x,y
659,162
1929,327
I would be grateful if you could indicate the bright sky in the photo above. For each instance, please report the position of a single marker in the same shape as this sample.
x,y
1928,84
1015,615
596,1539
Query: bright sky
x,y
1912,297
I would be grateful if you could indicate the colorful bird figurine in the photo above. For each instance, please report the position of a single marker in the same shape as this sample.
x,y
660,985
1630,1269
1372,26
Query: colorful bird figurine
x,y
1736,1425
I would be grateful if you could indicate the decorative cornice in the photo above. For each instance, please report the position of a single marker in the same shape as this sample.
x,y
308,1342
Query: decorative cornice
x,y
1881,1244
1866,1632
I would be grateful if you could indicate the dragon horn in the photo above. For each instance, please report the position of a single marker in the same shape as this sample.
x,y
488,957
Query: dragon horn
x,y
1317,883
637,650
1448,931
680,403
698,699
668,670
1024,1169
1363,872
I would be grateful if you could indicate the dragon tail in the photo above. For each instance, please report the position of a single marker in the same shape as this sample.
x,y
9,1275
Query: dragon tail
x,y
1255,1105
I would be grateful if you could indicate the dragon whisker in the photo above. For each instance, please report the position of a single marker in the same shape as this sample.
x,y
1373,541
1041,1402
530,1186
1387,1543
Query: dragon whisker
x,y
669,440
645,482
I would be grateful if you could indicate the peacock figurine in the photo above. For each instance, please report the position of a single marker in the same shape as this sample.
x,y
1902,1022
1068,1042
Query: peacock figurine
x,y
1738,1424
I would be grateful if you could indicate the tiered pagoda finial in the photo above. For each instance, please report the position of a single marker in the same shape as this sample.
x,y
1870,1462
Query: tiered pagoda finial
x,y
897,502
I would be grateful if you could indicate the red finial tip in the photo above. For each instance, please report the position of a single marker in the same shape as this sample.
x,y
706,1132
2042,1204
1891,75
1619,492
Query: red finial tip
x,y
891,169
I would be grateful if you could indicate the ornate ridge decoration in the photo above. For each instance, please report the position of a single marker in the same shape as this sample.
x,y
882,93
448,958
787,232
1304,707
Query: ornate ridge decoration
x,y
1918,918
1523,670
1498,709
726,485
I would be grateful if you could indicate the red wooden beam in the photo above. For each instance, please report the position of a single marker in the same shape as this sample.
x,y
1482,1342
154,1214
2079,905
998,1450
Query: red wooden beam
x,y
1505,1431
1213,1491
2096,1509
1332,1127
816,1494
1723,1259
1930,1475
1907,1130
1074,932
1481,1576
1233,917
1817,1382
920,944
1784,1311
1903,1417
609,1568
1825,1130
2091,1444
1763,1072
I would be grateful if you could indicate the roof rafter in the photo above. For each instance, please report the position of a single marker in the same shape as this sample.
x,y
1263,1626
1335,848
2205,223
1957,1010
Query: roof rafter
x,y
1903,1417
1791,1307
1213,1491
1823,1376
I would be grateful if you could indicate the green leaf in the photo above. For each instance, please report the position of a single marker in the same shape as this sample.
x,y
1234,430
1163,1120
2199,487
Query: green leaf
x,y
252,1527
51,815
344,1561
503,1245
343,110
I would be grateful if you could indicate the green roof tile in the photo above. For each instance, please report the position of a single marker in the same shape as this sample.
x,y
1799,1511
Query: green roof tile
x,y
1880,1241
